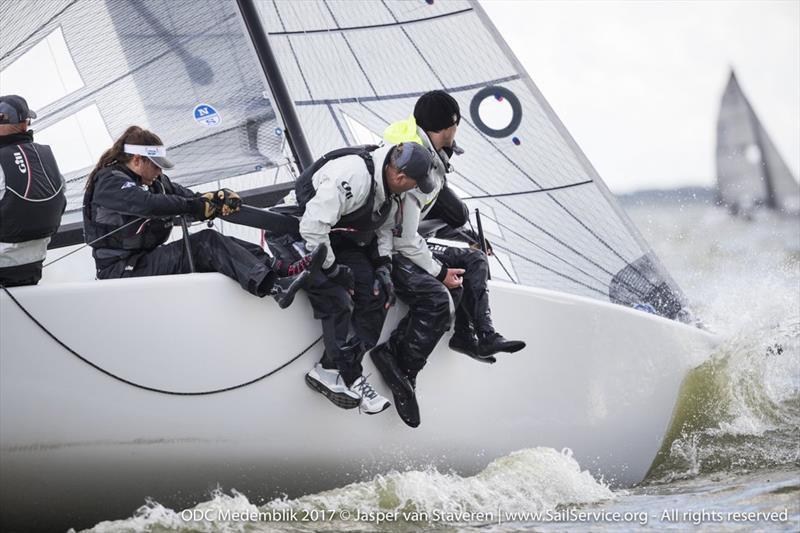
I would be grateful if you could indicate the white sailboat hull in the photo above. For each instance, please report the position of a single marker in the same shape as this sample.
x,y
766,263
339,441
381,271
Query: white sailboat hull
x,y
597,378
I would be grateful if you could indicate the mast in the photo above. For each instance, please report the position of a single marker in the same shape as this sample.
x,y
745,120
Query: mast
x,y
283,102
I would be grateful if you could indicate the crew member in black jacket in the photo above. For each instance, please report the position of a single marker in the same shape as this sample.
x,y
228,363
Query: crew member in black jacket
x,y
31,196
128,213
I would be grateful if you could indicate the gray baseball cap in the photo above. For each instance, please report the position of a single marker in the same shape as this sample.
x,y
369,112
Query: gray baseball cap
x,y
14,109
415,162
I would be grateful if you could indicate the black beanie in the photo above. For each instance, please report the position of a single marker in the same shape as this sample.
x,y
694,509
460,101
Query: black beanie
x,y
436,111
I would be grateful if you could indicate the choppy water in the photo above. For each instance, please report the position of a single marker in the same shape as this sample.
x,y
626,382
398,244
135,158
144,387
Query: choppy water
x,y
731,461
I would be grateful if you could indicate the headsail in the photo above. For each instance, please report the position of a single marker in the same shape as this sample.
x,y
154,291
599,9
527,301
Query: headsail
x,y
750,171
354,67
182,68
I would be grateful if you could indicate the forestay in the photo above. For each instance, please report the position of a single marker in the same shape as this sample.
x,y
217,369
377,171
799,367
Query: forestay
x,y
354,67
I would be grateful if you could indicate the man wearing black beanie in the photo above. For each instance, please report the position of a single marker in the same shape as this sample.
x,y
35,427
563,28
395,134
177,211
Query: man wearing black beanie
x,y
436,117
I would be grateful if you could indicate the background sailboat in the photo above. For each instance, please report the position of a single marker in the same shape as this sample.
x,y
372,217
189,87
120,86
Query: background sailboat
x,y
188,408
751,174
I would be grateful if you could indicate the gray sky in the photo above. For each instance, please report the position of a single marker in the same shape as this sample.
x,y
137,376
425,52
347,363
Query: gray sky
x,y
638,83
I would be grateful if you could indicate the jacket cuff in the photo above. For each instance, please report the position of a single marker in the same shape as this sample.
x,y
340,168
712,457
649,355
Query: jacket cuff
x,y
442,273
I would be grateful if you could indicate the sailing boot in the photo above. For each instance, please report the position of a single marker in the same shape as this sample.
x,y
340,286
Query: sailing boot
x,y
491,342
405,399
467,343
285,288
330,384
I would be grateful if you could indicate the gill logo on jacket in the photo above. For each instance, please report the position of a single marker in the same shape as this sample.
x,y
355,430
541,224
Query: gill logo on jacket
x,y
346,189
20,162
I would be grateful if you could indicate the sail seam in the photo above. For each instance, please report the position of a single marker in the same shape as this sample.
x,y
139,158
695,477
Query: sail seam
x,y
385,25
291,48
338,125
414,44
350,47
37,30
398,96
532,191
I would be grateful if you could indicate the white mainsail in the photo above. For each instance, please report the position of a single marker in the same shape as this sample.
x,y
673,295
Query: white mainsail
x,y
750,171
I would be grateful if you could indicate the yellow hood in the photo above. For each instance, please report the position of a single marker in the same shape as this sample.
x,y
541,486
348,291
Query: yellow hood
x,y
402,131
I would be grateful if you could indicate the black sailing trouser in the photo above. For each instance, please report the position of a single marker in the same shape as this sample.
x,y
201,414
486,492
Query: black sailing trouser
x,y
337,311
240,260
428,316
18,275
474,311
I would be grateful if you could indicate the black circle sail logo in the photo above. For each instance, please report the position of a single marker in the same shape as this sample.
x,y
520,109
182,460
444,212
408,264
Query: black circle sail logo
x,y
499,93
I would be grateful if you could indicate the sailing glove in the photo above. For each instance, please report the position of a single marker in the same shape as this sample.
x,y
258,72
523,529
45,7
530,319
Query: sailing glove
x,y
203,207
342,275
383,280
227,202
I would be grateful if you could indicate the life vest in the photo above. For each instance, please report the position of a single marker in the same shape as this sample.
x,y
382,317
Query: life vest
x,y
34,199
360,225
144,235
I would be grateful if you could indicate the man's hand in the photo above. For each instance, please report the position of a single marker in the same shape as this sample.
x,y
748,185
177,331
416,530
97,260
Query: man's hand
x,y
205,207
342,275
383,280
453,278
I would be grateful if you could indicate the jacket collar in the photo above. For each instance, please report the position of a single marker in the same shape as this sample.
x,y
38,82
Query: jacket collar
x,y
17,138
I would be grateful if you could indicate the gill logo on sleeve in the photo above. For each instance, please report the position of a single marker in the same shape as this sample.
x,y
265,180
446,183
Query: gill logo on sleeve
x,y
346,189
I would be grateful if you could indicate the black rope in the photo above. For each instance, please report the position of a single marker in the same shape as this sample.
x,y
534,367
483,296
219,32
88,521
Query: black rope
x,y
153,389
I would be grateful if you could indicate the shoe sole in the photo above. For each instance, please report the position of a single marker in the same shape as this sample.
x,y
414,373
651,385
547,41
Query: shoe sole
x,y
339,400
488,359
387,405
509,347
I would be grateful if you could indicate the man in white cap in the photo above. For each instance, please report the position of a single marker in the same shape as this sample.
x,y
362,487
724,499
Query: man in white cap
x,y
31,196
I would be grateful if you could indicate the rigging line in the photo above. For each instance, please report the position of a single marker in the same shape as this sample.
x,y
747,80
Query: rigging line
x,y
146,387
291,48
532,191
414,44
350,47
94,241
79,98
529,260
505,269
402,96
338,125
602,241
34,32
384,25
545,250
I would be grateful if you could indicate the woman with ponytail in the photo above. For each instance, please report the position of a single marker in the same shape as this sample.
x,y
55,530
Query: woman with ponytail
x,y
128,212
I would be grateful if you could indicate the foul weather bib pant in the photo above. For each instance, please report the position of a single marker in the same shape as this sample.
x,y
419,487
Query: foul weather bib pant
x,y
473,314
428,316
337,311
240,260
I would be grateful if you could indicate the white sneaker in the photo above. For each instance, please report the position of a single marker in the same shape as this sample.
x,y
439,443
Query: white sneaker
x,y
372,403
331,385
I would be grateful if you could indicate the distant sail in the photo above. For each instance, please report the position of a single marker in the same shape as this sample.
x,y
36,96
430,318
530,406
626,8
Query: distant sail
x,y
354,67
750,171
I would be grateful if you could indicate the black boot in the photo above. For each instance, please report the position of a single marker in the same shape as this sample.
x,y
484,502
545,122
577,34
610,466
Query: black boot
x,y
491,342
467,344
405,399
285,289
